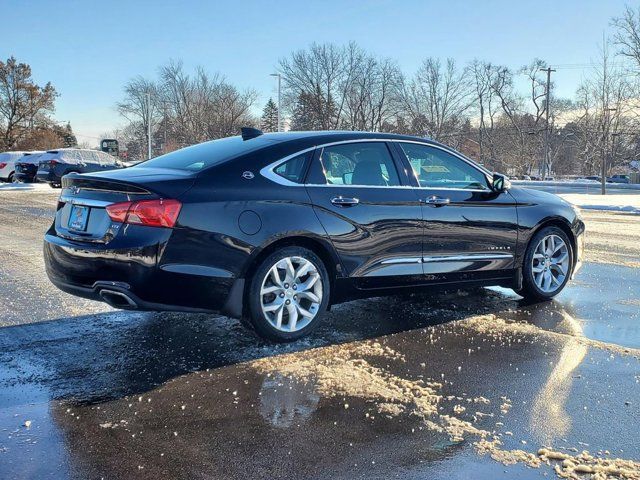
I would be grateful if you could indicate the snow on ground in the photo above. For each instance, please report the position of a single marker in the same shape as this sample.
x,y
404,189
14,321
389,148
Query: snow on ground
x,y
23,186
617,203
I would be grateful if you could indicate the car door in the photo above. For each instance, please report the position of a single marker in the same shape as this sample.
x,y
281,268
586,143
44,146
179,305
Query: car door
x,y
369,211
468,227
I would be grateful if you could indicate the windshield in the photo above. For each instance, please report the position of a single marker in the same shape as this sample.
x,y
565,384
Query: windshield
x,y
199,157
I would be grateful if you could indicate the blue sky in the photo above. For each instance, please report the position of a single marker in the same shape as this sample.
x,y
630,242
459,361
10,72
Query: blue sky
x,y
88,50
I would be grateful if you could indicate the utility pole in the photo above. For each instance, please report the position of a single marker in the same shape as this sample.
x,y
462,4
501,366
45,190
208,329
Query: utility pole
x,y
148,125
279,89
605,138
164,122
545,161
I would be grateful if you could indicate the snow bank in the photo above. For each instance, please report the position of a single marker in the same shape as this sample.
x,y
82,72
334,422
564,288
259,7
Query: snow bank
x,y
577,182
616,203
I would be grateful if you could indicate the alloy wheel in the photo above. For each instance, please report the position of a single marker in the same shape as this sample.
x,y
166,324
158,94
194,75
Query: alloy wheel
x,y
550,263
291,294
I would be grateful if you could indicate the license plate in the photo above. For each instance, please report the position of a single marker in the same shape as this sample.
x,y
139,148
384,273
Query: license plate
x,y
78,218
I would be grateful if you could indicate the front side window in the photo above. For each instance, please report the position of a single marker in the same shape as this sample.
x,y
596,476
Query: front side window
x,y
362,164
436,168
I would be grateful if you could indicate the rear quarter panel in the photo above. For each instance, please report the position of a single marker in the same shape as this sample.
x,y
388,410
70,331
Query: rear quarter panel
x,y
227,220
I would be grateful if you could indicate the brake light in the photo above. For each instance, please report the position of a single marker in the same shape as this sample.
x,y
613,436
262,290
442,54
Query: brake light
x,y
52,163
3,164
152,213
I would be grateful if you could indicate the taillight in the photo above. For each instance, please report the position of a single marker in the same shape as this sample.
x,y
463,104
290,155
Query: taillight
x,y
52,163
3,164
152,213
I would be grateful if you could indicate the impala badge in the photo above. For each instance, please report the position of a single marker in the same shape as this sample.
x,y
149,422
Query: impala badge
x,y
248,175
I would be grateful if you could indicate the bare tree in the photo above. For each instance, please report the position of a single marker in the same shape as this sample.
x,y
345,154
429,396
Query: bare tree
x,y
23,103
436,99
140,105
607,107
324,76
483,77
627,36
185,109
370,101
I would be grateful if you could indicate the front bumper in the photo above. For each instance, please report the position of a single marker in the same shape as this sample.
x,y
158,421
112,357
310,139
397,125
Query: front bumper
x,y
580,242
131,269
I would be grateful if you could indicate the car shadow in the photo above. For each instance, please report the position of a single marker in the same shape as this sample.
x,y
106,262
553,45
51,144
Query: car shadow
x,y
95,358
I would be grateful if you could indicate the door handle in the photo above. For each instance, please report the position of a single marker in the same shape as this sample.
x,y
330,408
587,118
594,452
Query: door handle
x,y
345,201
435,201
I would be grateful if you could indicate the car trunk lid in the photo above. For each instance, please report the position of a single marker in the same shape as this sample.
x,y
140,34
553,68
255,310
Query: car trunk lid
x,y
82,215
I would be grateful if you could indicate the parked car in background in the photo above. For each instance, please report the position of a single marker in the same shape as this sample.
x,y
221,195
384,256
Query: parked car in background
x,y
274,228
54,164
619,179
7,165
26,167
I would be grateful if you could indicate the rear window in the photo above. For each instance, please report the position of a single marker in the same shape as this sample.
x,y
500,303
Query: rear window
x,y
204,155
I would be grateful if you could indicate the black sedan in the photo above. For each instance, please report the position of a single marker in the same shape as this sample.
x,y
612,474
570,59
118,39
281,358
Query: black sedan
x,y
275,228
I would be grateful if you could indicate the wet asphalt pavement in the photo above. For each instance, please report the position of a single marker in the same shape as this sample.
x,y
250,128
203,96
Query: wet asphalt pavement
x,y
398,387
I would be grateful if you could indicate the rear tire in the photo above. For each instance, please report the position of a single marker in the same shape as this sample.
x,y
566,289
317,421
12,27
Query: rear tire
x,y
12,178
288,294
548,263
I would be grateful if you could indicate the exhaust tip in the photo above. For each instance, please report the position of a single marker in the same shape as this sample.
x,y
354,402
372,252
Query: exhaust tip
x,y
117,299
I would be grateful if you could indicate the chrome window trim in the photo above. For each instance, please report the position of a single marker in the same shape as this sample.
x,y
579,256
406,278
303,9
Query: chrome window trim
x,y
268,171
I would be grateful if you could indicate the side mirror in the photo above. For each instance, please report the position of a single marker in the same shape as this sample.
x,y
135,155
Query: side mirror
x,y
500,183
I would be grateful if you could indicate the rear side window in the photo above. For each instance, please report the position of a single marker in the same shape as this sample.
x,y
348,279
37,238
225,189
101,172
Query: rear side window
x,y
295,168
359,164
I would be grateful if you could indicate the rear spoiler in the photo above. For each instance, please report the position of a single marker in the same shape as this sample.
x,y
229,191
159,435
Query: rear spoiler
x,y
86,182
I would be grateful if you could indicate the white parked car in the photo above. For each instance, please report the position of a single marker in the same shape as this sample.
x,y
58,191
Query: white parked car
x,y
7,165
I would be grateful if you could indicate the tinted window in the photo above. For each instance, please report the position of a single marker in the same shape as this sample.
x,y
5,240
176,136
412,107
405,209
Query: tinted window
x,y
199,157
294,169
437,168
366,163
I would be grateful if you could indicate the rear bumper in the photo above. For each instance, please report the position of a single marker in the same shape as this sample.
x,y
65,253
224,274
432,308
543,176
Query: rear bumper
x,y
24,177
129,277
48,177
25,173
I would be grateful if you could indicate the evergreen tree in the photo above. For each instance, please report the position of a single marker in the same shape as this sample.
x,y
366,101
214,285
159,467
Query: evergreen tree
x,y
69,137
269,122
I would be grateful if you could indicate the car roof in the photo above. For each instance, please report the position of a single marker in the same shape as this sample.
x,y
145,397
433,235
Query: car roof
x,y
327,136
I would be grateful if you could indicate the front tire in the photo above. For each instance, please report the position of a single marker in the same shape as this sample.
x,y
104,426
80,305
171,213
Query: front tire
x,y
548,263
288,294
